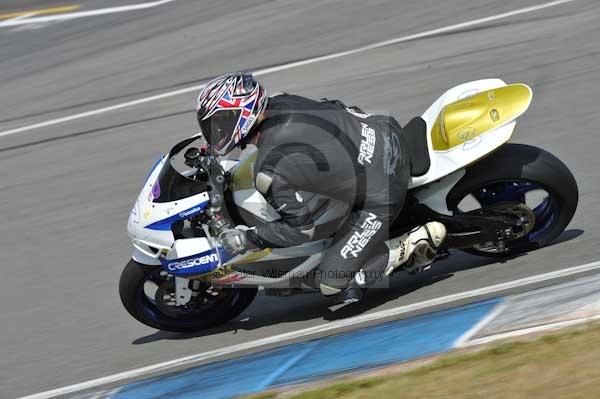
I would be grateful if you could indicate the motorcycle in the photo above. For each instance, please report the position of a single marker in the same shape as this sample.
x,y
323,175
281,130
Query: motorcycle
x,y
495,198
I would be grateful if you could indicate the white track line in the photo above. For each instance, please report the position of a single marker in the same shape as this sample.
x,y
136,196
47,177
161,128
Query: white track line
x,y
100,111
306,332
291,65
83,14
463,339
20,17
415,36
545,327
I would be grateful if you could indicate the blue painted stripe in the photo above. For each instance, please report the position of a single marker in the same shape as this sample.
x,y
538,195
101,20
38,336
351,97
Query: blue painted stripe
x,y
165,224
368,347
159,160
203,262
285,367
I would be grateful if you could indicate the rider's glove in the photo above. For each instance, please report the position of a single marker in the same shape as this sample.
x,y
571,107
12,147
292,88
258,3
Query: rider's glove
x,y
234,240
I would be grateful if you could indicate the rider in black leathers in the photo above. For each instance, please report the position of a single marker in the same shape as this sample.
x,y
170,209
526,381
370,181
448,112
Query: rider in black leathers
x,y
319,147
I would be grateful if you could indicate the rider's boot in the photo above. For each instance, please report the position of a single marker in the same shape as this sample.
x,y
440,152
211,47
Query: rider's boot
x,y
416,250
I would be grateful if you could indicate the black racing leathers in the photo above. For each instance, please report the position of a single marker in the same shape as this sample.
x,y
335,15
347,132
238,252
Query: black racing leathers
x,y
322,147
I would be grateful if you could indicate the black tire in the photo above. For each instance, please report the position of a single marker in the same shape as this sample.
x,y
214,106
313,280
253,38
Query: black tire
x,y
131,291
529,164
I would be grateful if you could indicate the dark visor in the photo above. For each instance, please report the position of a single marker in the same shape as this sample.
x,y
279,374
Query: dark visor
x,y
218,129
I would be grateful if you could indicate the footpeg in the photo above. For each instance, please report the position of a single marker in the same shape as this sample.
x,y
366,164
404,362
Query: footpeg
x,y
351,294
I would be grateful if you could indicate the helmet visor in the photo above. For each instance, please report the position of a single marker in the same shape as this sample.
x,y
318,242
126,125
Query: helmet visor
x,y
219,127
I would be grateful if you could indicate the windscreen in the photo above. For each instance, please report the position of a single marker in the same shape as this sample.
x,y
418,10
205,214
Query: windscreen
x,y
177,180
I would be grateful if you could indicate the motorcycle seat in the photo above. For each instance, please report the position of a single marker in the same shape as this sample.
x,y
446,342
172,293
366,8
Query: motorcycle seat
x,y
415,136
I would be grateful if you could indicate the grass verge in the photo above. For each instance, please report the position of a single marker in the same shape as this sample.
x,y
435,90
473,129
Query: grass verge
x,y
563,365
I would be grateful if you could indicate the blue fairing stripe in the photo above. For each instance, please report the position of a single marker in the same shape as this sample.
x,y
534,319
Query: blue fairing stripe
x,y
165,224
201,263
159,160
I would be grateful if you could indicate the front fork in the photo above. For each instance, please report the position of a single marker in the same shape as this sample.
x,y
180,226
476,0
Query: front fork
x,y
183,293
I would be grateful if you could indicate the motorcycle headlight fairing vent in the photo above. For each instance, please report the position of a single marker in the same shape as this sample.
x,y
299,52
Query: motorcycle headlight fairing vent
x,y
148,248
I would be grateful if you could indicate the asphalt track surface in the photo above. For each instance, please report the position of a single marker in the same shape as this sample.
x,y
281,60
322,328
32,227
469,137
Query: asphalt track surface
x,y
66,190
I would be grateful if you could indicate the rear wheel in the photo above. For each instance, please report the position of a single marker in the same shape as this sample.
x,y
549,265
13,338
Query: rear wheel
x,y
148,295
519,174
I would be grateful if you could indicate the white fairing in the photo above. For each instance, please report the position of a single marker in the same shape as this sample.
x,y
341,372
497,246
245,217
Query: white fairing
x,y
146,213
250,199
188,247
434,195
254,202
446,162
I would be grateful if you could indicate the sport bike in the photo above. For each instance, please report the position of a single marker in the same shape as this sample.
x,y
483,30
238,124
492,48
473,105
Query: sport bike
x,y
496,199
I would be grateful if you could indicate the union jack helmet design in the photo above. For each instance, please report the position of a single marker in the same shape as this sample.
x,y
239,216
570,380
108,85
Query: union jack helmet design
x,y
227,109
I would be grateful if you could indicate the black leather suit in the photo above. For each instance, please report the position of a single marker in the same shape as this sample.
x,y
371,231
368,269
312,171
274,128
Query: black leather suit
x,y
323,147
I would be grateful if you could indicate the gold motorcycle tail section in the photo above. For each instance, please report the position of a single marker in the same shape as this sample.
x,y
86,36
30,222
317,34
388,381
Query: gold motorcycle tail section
x,y
465,119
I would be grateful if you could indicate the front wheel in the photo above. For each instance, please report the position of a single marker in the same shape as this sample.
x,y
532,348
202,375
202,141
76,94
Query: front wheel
x,y
148,295
519,174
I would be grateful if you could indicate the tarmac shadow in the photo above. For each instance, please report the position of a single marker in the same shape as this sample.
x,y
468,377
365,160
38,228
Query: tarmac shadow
x,y
269,310
565,236
458,261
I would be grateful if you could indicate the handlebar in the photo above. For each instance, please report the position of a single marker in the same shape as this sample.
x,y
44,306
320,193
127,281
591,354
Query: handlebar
x,y
209,169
